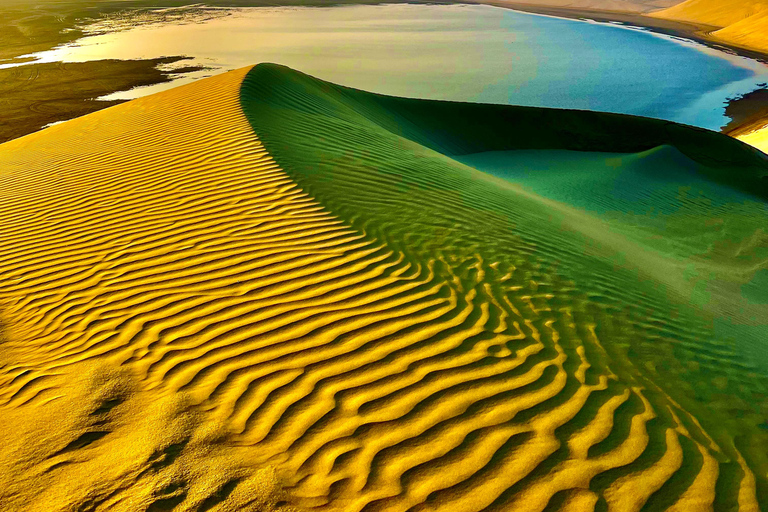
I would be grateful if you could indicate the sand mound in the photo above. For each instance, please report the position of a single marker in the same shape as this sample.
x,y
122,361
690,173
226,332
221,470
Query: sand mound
x,y
573,368
361,306
124,233
744,22
640,6
757,138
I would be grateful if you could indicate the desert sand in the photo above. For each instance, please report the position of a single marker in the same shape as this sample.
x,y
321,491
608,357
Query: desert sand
x,y
757,138
741,23
735,23
262,291
627,6
121,231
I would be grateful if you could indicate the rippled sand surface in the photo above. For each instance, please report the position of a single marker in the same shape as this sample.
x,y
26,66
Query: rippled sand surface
x,y
125,233
262,291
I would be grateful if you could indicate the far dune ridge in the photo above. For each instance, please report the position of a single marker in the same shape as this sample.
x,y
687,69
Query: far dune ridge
x,y
633,6
263,291
743,22
757,138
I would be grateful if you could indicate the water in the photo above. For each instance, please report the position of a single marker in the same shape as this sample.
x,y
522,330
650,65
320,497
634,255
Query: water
x,y
454,52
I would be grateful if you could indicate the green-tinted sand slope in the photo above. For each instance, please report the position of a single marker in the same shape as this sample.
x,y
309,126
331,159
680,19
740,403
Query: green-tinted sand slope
x,y
634,250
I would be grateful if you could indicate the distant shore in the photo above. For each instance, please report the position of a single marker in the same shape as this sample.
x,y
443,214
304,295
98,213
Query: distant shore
x,y
698,32
748,113
55,25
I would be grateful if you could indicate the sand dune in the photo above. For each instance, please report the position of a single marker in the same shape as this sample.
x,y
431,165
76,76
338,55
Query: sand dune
x,y
263,291
391,168
721,13
744,22
633,6
757,138
121,230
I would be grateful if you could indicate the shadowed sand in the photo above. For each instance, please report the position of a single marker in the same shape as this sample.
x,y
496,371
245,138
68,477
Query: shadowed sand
x,y
601,309
263,291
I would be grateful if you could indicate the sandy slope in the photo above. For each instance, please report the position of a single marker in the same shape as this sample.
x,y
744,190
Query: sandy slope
x,y
121,231
558,377
744,22
338,314
715,12
758,138
630,6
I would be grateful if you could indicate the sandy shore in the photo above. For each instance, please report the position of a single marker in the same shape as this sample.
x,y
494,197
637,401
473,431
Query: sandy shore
x,y
749,113
697,31
40,94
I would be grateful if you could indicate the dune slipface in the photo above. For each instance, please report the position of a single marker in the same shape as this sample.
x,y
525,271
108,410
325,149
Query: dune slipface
x,y
263,291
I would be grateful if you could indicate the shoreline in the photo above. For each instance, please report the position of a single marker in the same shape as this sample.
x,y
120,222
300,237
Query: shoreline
x,y
750,112
695,31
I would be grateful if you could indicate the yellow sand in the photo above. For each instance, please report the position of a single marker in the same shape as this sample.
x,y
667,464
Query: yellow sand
x,y
633,6
115,227
744,22
183,326
758,139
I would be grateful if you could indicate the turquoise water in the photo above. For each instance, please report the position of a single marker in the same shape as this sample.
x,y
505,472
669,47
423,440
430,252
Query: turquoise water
x,y
454,52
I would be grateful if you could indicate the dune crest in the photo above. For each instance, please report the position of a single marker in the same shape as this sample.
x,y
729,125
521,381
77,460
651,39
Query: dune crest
x,y
122,230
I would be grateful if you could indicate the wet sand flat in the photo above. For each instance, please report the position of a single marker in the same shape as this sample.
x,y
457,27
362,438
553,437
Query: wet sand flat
x,y
37,95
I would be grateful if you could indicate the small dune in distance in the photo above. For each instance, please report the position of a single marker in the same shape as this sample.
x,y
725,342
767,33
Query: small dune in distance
x,y
264,291
743,23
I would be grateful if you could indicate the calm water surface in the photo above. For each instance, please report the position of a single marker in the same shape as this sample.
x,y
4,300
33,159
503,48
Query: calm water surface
x,y
455,52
